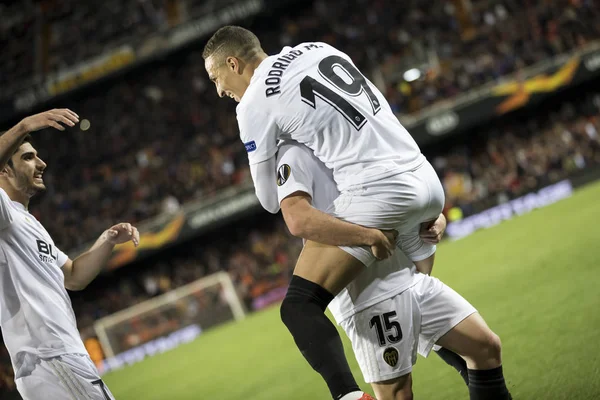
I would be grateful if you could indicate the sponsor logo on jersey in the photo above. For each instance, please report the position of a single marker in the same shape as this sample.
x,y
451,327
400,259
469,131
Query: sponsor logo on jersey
x,y
47,253
390,356
283,174
250,146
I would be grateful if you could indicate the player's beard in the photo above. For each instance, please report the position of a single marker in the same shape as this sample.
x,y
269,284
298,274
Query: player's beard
x,y
25,183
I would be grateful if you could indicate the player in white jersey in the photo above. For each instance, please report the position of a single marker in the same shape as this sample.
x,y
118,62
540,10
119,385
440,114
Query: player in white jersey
x,y
314,94
36,316
390,311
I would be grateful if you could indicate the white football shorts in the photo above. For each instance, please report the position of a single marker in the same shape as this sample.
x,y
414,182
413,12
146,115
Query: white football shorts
x,y
401,202
65,377
387,336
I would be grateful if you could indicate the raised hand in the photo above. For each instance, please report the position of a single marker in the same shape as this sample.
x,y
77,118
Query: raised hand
x,y
54,118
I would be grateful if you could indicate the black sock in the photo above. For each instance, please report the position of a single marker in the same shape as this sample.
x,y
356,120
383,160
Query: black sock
x,y
456,361
303,312
488,384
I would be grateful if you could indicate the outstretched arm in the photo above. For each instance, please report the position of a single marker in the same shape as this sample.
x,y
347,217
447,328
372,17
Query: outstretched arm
x,y
12,139
81,271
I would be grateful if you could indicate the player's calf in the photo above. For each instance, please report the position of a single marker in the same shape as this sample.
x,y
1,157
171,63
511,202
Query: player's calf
x,y
303,313
394,389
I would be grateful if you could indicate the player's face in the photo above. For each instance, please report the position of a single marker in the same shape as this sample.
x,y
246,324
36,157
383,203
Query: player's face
x,y
227,77
26,173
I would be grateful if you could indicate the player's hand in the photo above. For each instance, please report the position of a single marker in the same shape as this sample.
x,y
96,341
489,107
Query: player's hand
x,y
383,244
433,231
55,118
123,233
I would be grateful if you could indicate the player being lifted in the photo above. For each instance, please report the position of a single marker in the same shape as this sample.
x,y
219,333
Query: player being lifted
x,y
314,94
390,312
37,320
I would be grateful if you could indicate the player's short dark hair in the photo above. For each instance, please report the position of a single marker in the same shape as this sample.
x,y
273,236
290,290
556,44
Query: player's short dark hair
x,y
232,41
26,139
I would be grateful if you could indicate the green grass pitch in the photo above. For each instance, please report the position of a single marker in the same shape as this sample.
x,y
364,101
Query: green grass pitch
x,y
535,279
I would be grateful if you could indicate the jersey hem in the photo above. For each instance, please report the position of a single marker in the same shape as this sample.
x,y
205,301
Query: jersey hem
x,y
378,299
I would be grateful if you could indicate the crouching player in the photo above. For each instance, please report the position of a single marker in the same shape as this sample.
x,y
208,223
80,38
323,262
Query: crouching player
x,y
390,311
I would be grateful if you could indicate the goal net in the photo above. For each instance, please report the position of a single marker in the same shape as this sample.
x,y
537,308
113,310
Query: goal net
x,y
160,323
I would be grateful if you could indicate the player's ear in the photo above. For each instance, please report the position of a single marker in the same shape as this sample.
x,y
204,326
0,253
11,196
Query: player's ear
x,y
233,64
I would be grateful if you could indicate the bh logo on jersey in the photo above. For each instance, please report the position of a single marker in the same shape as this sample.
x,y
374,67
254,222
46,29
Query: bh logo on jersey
x,y
47,253
283,174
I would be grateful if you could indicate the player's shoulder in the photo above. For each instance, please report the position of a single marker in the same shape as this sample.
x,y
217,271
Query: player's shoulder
x,y
292,152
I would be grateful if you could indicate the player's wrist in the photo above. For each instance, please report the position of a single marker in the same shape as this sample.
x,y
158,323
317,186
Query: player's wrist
x,y
23,127
371,236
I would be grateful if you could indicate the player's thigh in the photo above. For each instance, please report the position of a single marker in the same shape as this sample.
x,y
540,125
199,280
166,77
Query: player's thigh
x,y
384,338
475,341
328,266
442,309
394,389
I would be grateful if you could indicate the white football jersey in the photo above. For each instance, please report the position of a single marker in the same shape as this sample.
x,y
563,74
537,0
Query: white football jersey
x,y
299,170
36,315
314,94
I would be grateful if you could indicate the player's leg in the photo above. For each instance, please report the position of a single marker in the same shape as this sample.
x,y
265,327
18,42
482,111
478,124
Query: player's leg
x,y
482,350
394,389
454,360
321,273
384,338
450,321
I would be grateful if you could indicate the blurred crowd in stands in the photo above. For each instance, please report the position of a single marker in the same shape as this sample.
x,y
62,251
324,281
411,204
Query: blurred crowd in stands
x,y
159,137
457,44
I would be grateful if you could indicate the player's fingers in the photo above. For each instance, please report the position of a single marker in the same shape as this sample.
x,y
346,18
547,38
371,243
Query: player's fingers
x,y
127,227
113,232
70,114
136,237
55,125
63,119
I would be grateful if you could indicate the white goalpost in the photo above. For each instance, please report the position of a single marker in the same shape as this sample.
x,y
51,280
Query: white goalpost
x,y
177,316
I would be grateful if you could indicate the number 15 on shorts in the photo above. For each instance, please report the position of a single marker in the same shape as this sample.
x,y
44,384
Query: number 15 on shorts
x,y
388,330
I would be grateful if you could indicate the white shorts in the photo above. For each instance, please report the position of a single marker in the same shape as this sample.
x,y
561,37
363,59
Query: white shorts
x,y
401,202
66,377
387,336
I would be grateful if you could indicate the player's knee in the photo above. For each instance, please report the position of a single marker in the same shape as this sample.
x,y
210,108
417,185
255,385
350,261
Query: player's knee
x,y
489,354
303,302
493,347
286,311
396,389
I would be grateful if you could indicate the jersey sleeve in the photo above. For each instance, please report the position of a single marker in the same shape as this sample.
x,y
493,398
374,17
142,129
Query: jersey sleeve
x,y
293,173
6,217
61,258
258,131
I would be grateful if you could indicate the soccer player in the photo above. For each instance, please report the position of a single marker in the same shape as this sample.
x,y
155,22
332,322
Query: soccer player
x,y
37,320
390,311
314,94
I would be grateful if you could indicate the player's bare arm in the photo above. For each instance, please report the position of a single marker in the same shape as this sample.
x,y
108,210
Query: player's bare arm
x,y
12,139
305,221
81,271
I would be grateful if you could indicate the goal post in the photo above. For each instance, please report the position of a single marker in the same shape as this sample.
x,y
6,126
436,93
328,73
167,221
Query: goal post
x,y
185,311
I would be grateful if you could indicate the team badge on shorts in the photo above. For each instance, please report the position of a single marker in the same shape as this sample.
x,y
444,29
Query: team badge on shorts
x,y
283,174
390,356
